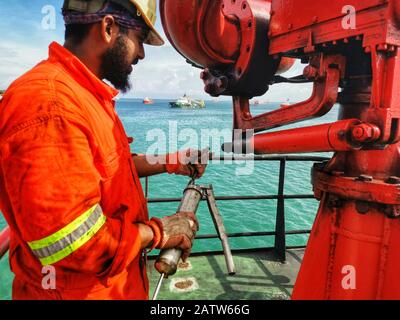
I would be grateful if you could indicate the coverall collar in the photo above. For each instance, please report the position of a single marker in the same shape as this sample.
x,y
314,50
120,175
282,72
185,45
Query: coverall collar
x,y
80,72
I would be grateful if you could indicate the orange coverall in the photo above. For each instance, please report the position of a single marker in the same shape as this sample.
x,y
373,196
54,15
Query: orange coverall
x,y
69,189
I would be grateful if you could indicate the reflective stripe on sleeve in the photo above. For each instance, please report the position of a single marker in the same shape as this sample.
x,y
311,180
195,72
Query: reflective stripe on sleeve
x,y
70,238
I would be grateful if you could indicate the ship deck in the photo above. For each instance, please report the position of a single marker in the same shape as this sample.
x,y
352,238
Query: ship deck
x,y
259,276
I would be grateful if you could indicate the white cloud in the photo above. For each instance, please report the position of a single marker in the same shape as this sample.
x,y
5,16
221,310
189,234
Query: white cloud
x,y
16,59
163,74
166,74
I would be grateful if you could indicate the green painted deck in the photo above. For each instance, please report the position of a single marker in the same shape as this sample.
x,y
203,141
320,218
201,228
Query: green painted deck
x,y
258,277
6,278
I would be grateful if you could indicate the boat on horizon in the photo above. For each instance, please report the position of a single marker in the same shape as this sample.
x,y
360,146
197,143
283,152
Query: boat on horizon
x,y
148,100
186,102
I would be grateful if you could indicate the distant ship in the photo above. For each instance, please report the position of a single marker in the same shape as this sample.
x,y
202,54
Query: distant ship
x,y
147,100
186,102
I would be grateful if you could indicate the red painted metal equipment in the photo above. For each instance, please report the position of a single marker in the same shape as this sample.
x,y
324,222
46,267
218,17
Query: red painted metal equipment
x,y
4,241
345,135
352,56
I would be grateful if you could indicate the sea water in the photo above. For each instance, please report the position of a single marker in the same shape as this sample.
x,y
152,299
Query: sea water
x,y
151,125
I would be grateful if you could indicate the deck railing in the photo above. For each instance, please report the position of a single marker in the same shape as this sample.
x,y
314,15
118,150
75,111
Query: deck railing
x,y
4,241
280,232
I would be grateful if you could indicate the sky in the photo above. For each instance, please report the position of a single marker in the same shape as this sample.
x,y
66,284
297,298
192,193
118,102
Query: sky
x,y
26,33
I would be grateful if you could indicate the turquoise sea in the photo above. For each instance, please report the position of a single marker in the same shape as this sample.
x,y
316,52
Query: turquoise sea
x,y
146,121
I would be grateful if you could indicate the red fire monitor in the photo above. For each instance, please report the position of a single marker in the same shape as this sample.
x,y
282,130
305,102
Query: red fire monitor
x,y
350,49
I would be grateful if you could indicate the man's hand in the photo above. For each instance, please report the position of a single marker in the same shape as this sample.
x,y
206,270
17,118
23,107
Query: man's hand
x,y
177,232
189,162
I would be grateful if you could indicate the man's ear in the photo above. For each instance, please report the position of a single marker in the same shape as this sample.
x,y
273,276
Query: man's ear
x,y
108,29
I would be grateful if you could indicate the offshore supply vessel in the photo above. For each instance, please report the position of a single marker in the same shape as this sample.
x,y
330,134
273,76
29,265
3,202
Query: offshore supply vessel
x,y
186,102
351,54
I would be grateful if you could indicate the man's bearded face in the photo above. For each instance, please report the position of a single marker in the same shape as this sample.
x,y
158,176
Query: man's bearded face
x,y
116,65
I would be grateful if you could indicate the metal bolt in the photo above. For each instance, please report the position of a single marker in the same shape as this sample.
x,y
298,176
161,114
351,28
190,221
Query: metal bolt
x,y
364,178
310,72
362,207
382,47
393,211
358,133
365,132
221,83
393,180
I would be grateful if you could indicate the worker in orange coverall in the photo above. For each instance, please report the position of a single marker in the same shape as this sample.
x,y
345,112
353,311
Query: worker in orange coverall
x,y
69,185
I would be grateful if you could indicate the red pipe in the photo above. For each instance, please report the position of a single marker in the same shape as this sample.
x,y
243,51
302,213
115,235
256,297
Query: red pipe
x,y
345,135
4,241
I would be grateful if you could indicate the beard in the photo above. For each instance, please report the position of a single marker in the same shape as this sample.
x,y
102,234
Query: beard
x,y
114,66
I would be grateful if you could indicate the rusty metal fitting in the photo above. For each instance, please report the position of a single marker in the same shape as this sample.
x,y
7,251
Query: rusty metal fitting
x,y
382,47
364,178
204,75
221,83
310,72
365,133
393,211
363,207
393,180
214,85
